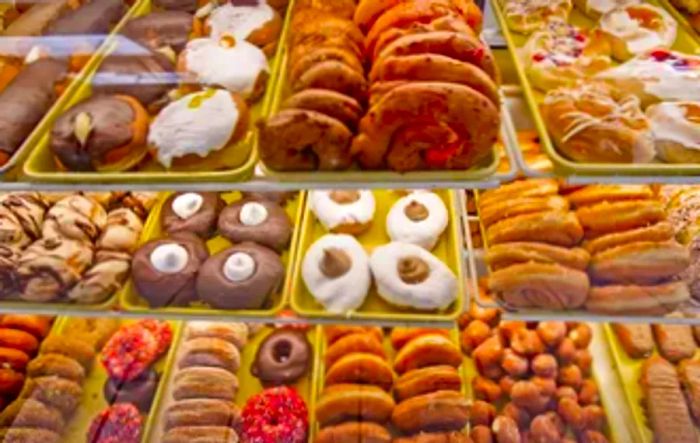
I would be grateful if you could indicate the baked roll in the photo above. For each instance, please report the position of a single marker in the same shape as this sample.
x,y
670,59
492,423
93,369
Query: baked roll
x,y
122,231
676,129
593,194
659,232
637,28
637,299
591,122
536,187
554,227
506,254
349,212
512,207
636,339
605,218
419,218
526,16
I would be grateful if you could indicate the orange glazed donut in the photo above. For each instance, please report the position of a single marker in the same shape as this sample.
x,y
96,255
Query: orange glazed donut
x,y
11,382
354,432
333,333
401,336
442,410
358,342
426,380
427,350
20,340
13,359
353,402
37,325
436,437
361,368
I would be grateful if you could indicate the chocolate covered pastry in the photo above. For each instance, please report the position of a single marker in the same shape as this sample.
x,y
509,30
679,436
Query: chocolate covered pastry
x,y
260,221
25,100
93,17
177,5
75,217
283,357
240,277
161,29
138,392
165,270
35,20
279,197
195,212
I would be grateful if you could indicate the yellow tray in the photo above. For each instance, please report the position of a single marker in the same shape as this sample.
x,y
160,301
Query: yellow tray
x,y
130,299
448,249
248,384
42,167
682,19
93,402
12,170
684,43
281,91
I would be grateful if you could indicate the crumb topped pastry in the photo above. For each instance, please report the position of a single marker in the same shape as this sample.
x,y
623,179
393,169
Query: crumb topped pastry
x,y
418,218
635,29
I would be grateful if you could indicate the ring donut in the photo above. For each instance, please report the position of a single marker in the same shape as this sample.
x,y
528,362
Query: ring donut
x,y
426,380
442,410
436,437
427,350
354,432
361,368
356,342
343,402
401,336
335,333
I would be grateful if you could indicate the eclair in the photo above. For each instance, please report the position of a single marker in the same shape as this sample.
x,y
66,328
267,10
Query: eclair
x,y
506,254
554,227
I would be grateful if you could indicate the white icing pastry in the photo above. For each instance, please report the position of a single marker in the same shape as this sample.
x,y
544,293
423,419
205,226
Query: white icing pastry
x,y
423,232
169,258
345,292
526,16
252,214
236,68
333,215
198,123
239,21
437,291
669,122
634,34
239,266
597,8
186,205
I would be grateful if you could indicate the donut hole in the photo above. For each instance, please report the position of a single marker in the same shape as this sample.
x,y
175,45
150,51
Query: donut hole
x,y
282,351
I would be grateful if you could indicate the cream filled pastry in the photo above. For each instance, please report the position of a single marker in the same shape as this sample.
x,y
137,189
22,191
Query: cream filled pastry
x,y
236,65
596,8
240,277
635,29
409,276
657,75
526,16
676,129
195,212
418,218
260,221
254,21
336,272
349,212
199,130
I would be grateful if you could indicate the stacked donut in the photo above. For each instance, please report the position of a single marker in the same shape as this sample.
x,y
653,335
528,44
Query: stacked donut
x,y
539,373
54,388
430,403
20,336
635,258
177,270
204,385
356,401
87,249
532,237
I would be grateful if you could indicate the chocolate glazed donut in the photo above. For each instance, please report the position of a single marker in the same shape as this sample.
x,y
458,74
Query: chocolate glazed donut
x,y
283,357
139,391
202,222
94,17
161,28
240,277
176,288
259,221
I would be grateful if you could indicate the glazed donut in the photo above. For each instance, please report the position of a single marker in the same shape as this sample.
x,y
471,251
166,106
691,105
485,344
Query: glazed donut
x,y
401,336
340,403
189,434
426,380
418,218
355,342
427,350
343,212
235,333
276,414
336,272
36,325
335,333
438,437
203,412
13,359
261,221
442,410
56,364
408,275
360,368
205,382
70,347
17,339
283,357
213,352
195,212
354,432
11,382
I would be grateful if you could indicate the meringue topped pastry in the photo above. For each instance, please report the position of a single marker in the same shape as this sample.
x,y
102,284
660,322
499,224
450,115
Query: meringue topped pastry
x,y
195,212
261,221
418,218
635,29
676,130
349,212
596,8
254,21
336,273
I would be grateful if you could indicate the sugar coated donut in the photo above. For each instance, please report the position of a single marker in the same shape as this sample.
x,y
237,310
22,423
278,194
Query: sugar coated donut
x,y
442,410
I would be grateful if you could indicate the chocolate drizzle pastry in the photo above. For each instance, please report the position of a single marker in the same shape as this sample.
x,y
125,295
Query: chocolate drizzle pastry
x,y
75,217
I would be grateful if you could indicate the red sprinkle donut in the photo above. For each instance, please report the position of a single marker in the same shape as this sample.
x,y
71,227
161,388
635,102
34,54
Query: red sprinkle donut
x,y
161,330
129,352
276,415
120,423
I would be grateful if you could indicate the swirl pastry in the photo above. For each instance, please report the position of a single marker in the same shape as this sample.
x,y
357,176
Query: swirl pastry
x,y
596,8
240,277
103,279
676,129
75,217
161,29
418,218
102,133
259,221
195,212
200,131
408,275
658,75
50,266
404,134
165,270
237,66
591,122
560,54
336,272
253,21
526,16
348,212
635,29
122,231
27,211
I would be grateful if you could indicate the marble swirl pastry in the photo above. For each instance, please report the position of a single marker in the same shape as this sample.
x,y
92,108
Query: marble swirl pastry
x,y
76,217
165,270
93,17
336,272
348,212
409,276
259,221
103,279
122,231
28,208
283,357
195,212
161,29
419,218
240,277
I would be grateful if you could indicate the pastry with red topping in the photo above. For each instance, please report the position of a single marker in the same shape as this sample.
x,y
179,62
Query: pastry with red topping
x,y
635,29
120,423
526,16
134,347
276,415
